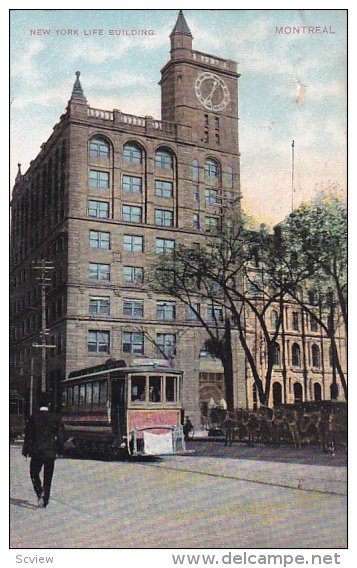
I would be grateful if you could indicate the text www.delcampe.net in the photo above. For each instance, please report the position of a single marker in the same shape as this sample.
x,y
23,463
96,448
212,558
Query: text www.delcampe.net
x,y
246,558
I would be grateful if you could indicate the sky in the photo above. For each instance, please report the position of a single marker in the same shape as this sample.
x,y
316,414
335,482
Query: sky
x,y
292,87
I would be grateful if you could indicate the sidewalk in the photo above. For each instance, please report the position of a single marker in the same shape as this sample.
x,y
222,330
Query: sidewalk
x,y
328,480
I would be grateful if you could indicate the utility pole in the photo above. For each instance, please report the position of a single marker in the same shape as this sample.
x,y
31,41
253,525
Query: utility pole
x,y
44,269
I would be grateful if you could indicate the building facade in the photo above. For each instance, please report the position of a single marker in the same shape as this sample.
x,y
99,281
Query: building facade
x,y
106,195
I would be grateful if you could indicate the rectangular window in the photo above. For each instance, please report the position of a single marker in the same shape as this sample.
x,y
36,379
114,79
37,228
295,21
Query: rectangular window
x,y
133,308
103,396
163,160
98,341
211,196
100,272
164,245
98,180
99,239
132,184
95,396
155,389
75,395
296,321
133,342
193,312
132,213
99,306
138,388
164,218
196,221
89,393
196,193
211,224
165,311
133,243
132,154
99,149
133,274
313,324
82,395
166,343
171,389
163,188
98,209
215,313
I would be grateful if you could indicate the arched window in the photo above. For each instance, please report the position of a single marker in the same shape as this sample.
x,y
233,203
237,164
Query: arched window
x,y
229,176
212,171
295,355
195,169
297,392
315,353
277,394
98,148
132,153
333,391
277,354
164,159
274,317
317,391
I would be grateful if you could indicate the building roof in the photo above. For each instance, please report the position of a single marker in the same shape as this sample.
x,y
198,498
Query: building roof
x,y
181,26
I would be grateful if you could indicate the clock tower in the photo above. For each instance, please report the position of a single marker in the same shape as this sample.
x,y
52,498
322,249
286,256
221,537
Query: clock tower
x,y
200,90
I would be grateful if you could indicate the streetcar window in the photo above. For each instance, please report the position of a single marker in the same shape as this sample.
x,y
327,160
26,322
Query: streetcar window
x,y
64,397
103,393
75,395
95,393
138,384
171,389
155,389
89,393
69,396
82,395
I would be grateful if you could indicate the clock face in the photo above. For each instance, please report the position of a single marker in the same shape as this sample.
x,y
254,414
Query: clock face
x,y
212,92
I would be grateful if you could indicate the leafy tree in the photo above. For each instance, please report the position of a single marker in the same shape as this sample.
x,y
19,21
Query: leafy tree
x,y
313,241
228,271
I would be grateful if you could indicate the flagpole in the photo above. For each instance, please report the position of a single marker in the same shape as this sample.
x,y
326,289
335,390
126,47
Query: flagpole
x,y
292,173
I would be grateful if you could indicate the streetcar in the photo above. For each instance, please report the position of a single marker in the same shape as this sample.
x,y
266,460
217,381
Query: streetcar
x,y
134,410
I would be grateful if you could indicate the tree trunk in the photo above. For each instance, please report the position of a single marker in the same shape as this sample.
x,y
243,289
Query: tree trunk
x,y
227,362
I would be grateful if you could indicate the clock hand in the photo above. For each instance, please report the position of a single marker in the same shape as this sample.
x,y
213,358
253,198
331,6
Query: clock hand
x,y
209,98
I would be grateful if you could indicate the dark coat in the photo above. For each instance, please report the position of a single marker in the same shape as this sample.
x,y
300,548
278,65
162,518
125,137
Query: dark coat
x,y
44,435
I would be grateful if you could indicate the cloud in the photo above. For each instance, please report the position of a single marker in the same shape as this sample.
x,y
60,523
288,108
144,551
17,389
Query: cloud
x,y
24,65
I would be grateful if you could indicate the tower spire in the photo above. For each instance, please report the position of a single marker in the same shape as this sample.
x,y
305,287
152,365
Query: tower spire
x,y
19,174
181,26
77,91
181,38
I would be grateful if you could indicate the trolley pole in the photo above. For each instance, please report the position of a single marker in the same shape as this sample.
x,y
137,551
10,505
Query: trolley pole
x,y
44,269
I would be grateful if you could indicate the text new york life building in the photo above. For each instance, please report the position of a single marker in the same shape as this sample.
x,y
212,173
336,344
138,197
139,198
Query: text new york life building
x,y
107,193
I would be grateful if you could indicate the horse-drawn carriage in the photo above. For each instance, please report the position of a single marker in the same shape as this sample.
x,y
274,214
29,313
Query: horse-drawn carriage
x,y
323,423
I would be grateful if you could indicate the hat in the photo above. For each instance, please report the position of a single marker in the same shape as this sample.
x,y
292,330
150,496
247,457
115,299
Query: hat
x,y
43,399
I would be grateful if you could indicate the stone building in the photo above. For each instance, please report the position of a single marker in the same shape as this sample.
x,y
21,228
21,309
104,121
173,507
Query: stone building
x,y
107,193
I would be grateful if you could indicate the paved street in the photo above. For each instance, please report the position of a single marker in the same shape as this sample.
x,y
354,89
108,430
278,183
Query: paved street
x,y
189,501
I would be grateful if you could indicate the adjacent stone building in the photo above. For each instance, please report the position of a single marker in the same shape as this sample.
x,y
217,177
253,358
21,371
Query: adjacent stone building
x,y
107,193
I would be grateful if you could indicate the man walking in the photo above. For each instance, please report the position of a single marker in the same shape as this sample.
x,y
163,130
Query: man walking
x,y
44,438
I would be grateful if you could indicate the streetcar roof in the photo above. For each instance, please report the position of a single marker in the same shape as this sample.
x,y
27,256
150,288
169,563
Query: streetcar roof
x,y
92,372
